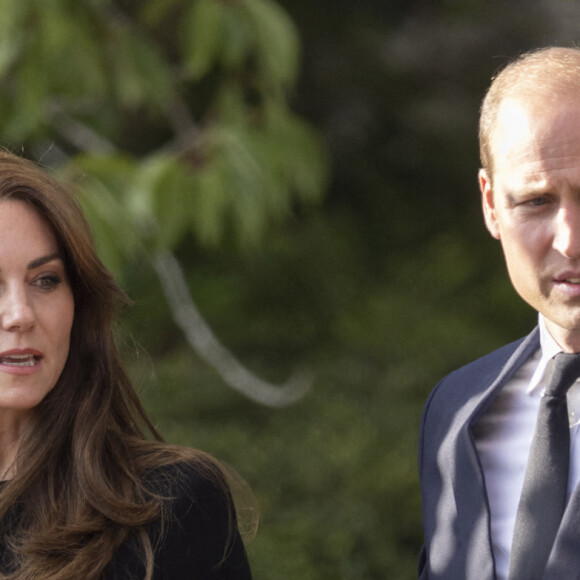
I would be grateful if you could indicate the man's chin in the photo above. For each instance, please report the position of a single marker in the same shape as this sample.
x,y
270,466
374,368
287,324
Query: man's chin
x,y
565,329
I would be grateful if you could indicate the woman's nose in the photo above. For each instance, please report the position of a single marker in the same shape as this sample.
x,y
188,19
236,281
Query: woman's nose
x,y
16,312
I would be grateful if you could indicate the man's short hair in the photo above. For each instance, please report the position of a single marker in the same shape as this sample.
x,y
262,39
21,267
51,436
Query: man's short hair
x,y
549,74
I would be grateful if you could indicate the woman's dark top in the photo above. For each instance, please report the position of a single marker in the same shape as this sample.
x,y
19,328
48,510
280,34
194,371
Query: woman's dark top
x,y
197,541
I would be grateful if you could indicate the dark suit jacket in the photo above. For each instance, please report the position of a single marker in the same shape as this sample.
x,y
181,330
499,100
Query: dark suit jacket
x,y
456,520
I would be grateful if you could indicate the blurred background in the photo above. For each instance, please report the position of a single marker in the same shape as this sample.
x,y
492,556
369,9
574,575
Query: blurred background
x,y
287,189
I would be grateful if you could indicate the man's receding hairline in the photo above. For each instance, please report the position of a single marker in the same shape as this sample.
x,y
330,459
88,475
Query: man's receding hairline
x,y
547,74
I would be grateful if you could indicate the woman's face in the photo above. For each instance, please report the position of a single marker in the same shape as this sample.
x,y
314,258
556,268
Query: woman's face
x,y
36,309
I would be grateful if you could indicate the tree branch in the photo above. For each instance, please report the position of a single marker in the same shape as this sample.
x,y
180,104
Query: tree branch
x,y
184,310
205,343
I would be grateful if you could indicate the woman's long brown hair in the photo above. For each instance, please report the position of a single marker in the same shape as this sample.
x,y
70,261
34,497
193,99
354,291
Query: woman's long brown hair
x,y
80,467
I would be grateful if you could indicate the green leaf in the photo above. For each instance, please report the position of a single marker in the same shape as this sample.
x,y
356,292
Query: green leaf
x,y
208,212
258,197
114,244
11,33
174,197
115,172
203,37
64,33
29,114
102,182
306,159
230,104
141,76
278,41
140,196
154,12
240,37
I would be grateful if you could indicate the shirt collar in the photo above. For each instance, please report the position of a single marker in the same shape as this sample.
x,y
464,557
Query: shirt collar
x,y
548,349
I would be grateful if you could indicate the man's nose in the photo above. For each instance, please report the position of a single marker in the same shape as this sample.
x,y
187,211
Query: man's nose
x,y
16,312
567,231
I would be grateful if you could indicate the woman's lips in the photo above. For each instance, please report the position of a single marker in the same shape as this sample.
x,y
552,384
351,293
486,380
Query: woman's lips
x,y
20,361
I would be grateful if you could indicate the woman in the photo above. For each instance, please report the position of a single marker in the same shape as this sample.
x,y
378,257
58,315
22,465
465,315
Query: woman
x,y
84,494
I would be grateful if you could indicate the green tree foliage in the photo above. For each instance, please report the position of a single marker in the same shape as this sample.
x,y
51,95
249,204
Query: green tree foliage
x,y
173,113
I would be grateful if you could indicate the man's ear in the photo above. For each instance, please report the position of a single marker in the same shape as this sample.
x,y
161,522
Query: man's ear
x,y
487,203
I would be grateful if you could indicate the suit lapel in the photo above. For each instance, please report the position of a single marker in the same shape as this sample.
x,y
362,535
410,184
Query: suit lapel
x,y
519,356
563,561
471,494
461,546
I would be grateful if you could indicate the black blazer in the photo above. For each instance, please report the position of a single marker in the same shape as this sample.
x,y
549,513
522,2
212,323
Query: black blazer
x,y
198,541
456,520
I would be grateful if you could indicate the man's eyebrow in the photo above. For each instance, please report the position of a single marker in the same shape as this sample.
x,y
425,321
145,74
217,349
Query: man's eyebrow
x,y
43,260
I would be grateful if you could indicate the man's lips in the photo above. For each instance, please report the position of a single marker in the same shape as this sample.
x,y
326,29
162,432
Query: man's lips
x,y
567,277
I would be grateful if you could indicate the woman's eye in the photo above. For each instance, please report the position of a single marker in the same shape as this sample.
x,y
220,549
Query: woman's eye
x,y
48,282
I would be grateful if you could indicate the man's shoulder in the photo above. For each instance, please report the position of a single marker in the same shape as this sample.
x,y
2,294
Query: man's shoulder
x,y
489,362
472,379
457,397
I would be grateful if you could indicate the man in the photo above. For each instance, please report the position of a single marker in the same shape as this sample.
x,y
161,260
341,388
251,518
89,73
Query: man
x,y
479,422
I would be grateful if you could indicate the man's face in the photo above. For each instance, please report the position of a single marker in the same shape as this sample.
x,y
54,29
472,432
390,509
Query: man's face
x,y
532,205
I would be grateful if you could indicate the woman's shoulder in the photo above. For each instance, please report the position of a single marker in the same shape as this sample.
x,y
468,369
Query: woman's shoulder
x,y
196,476
197,535
200,527
195,497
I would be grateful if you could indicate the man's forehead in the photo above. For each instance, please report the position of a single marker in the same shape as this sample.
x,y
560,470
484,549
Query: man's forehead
x,y
513,123
529,125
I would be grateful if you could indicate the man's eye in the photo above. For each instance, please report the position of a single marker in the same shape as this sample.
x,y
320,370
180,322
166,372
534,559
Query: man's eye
x,y
536,201
49,282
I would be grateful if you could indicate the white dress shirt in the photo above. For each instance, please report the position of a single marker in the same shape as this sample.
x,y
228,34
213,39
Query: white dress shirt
x,y
503,437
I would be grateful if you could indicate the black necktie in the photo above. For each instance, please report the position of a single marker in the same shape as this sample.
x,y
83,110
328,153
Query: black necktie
x,y
543,496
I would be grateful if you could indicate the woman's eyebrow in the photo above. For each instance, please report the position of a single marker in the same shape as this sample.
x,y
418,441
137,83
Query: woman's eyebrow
x,y
43,260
